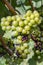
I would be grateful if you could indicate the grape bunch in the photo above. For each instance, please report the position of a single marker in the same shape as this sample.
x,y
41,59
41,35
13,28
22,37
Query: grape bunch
x,y
21,27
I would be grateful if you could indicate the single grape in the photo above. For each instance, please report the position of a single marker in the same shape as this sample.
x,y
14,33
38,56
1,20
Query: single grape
x,y
6,23
28,19
25,45
19,37
24,31
26,51
25,22
2,23
13,27
29,13
21,23
32,16
3,19
32,21
9,18
13,18
15,23
19,29
22,48
27,27
36,19
8,27
4,28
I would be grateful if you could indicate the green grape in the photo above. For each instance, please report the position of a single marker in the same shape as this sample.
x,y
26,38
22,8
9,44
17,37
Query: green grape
x,y
6,23
15,23
20,51
2,23
29,13
32,22
23,55
32,16
24,31
4,28
19,37
19,29
9,18
36,14
25,22
22,48
13,27
36,20
27,27
3,19
25,45
19,41
13,18
26,51
21,23
18,18
18,48
8,27
28,19
29,24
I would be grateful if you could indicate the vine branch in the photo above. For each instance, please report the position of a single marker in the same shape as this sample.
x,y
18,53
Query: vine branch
x,y
5,46
9,6
33,8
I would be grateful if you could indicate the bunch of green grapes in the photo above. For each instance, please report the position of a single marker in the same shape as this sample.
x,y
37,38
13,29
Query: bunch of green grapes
x,y
20,27
21,46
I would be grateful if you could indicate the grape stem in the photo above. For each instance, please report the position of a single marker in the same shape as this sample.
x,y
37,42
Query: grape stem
x,y
5,46
9,6
33,8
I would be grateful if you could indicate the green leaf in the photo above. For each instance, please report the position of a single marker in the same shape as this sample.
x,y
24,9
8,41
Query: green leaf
x,y
7,34
31,44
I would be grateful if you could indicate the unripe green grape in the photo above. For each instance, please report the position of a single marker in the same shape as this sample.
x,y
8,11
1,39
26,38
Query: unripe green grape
x,y
29,13
19,37
28,31
27,27
20,51
26,51
36,14
39,21
2,23
9,18
22,48
23,55
28,19
25,45
3,19
29,24
19,41
6,23
36,20
18,18
13,18
25,22
21,23
4,28
19,29
32,16
14,33
32,21
18,48
15,23
24,31
8,27
13,27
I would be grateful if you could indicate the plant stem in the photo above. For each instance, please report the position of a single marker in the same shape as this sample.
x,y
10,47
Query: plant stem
x,y
9,6
33,8
5,46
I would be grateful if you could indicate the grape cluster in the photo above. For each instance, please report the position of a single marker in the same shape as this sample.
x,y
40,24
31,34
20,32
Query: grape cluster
x,y
21,27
